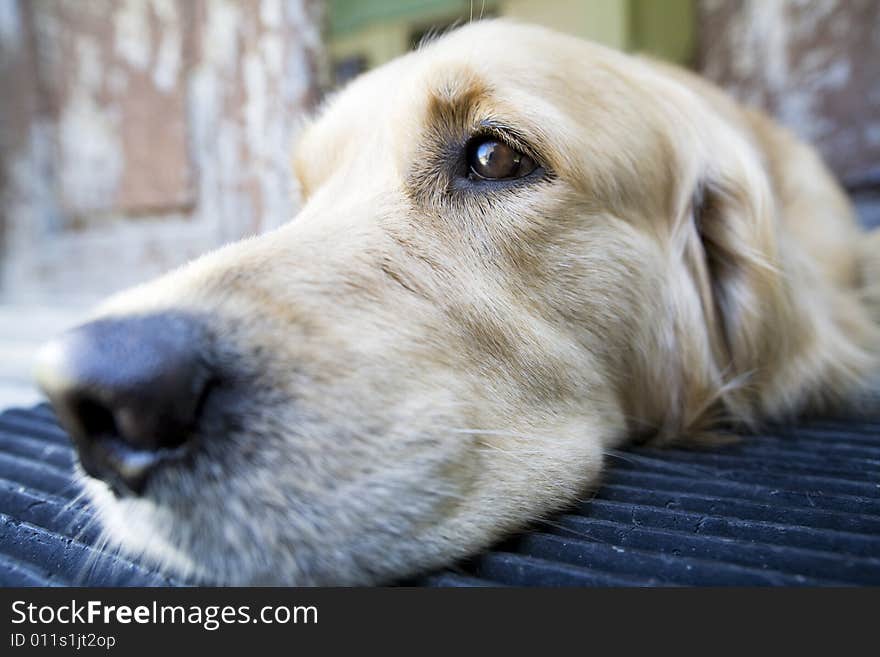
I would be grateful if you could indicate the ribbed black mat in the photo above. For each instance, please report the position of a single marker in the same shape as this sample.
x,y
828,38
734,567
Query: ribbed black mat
x,y
796,506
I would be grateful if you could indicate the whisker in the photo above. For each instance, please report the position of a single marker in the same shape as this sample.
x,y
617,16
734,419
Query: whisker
x,y
569,530
69,505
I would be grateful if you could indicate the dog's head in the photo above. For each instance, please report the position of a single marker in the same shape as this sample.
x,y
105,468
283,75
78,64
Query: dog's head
x,y
515,250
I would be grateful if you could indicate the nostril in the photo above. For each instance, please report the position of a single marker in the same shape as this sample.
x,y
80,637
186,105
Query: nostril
x,y
95,418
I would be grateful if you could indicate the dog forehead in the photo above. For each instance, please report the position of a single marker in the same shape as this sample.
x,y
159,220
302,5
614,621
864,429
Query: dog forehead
x,y
466,64
523,74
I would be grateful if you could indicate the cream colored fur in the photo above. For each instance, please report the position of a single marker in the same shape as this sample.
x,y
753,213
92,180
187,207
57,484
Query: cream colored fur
x,y
425,368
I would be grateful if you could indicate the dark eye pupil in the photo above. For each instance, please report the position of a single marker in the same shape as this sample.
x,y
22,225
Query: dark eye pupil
x,y
494,159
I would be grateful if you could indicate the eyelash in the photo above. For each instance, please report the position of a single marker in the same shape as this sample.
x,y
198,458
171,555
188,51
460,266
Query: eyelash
x,y
488,130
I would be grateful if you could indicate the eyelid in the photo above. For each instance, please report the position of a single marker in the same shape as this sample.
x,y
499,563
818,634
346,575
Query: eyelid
x,y
506,135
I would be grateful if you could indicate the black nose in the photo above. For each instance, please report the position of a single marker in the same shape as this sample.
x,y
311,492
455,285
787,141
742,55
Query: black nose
x,y
129,391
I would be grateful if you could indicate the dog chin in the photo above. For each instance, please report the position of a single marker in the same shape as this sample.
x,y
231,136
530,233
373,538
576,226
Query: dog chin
x,y
138,528
153,534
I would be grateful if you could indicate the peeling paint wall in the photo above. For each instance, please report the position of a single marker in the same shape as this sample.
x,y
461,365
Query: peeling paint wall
x,y
814,64
137,134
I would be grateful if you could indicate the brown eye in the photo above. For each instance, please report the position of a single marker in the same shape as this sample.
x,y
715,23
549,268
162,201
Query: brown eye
x,y
491,159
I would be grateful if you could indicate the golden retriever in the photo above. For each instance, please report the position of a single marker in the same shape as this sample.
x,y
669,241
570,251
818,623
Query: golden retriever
x,y
517,250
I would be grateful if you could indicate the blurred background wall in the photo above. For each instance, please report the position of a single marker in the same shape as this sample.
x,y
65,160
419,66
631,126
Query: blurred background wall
x,y
815,66
366,33
140,133
136,134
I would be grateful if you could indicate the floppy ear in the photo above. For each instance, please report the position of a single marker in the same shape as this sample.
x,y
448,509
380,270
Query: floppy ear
x,y
728,299
736,243
780,334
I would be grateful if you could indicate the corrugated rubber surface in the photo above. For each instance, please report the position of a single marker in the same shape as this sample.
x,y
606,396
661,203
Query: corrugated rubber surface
x,y
796,506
